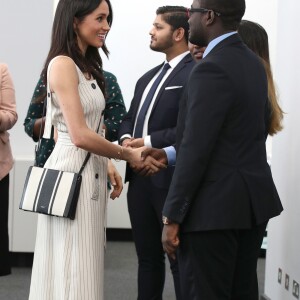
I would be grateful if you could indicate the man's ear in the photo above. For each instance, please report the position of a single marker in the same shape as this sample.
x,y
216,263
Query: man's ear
x,y
178,34
210,17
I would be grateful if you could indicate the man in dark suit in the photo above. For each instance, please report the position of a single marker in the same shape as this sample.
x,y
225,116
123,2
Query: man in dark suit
x,y
155,126
222,193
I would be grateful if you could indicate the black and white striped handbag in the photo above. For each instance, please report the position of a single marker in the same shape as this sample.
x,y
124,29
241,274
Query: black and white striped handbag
x,y
52,192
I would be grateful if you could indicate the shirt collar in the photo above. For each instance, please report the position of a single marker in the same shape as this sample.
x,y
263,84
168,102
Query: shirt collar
x,y
216,41
176,60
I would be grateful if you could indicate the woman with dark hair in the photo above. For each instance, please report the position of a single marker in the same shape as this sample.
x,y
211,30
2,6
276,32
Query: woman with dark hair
x,y
68,258
256,38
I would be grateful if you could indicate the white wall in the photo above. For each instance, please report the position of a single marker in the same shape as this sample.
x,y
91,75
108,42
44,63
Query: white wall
x,y
25,35
283,236
264,13
129,40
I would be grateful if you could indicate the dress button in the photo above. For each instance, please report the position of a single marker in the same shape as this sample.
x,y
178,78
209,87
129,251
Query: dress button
x,y
97,176
93,86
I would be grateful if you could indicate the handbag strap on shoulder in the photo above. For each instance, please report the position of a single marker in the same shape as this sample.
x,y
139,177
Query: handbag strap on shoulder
x,y
48,122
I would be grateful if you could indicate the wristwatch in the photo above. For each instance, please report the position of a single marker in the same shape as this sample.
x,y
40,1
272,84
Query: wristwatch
x,y
166,221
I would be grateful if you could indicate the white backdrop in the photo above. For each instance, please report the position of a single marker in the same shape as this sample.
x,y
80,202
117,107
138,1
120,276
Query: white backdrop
x,y
25,35
283,240
129,39
25,29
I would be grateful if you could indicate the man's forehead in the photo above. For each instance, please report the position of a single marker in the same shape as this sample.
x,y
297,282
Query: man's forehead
x,y
194,3
198,3
159,20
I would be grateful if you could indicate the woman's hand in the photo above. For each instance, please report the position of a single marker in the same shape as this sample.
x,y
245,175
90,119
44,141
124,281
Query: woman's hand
x,y
115,180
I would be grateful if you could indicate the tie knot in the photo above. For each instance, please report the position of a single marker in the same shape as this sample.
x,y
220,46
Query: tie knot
x,y
166,67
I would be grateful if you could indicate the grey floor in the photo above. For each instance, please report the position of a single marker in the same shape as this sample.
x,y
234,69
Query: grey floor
x,y
120,276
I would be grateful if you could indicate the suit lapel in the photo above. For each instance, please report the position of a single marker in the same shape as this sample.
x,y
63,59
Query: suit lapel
x,y
177,69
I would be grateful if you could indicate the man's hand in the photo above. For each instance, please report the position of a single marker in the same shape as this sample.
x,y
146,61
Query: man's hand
x,y
126,141
150,157
135,143
158,154
137,164
151,166
170,239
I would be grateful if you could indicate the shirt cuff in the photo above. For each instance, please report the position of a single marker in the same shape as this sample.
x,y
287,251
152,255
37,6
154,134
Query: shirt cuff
x,y
171,155
127,135
147,141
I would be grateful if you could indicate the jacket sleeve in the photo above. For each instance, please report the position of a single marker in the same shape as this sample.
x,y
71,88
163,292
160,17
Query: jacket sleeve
x,y
163,138
8,114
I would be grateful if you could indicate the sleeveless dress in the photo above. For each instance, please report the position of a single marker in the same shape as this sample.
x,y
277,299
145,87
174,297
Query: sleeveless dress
x,y
69,254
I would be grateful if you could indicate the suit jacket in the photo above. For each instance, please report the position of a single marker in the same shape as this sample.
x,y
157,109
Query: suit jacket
x,y
8,118
163,117
222,179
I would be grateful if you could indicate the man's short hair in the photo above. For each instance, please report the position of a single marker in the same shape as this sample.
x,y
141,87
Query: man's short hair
x,y
232,11
176,17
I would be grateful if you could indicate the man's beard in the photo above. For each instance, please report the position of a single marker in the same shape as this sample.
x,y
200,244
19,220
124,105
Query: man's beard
x,y
198,39
163,46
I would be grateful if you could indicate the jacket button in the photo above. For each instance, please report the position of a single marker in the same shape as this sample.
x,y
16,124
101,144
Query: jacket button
x,y
93,86
97,176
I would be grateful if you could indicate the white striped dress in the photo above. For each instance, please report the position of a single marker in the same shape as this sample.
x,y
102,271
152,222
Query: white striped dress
x,y
68,258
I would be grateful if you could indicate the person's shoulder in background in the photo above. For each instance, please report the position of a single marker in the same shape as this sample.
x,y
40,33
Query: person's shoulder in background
x,y
115,108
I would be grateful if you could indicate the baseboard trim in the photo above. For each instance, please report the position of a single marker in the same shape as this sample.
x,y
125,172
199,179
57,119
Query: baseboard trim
x,y
21,259
264,297
119,234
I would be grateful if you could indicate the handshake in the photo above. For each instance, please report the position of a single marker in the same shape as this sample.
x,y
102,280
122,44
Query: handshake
x,y
145,161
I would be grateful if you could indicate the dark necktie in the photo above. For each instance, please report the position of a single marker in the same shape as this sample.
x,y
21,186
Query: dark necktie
x,y
138,132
